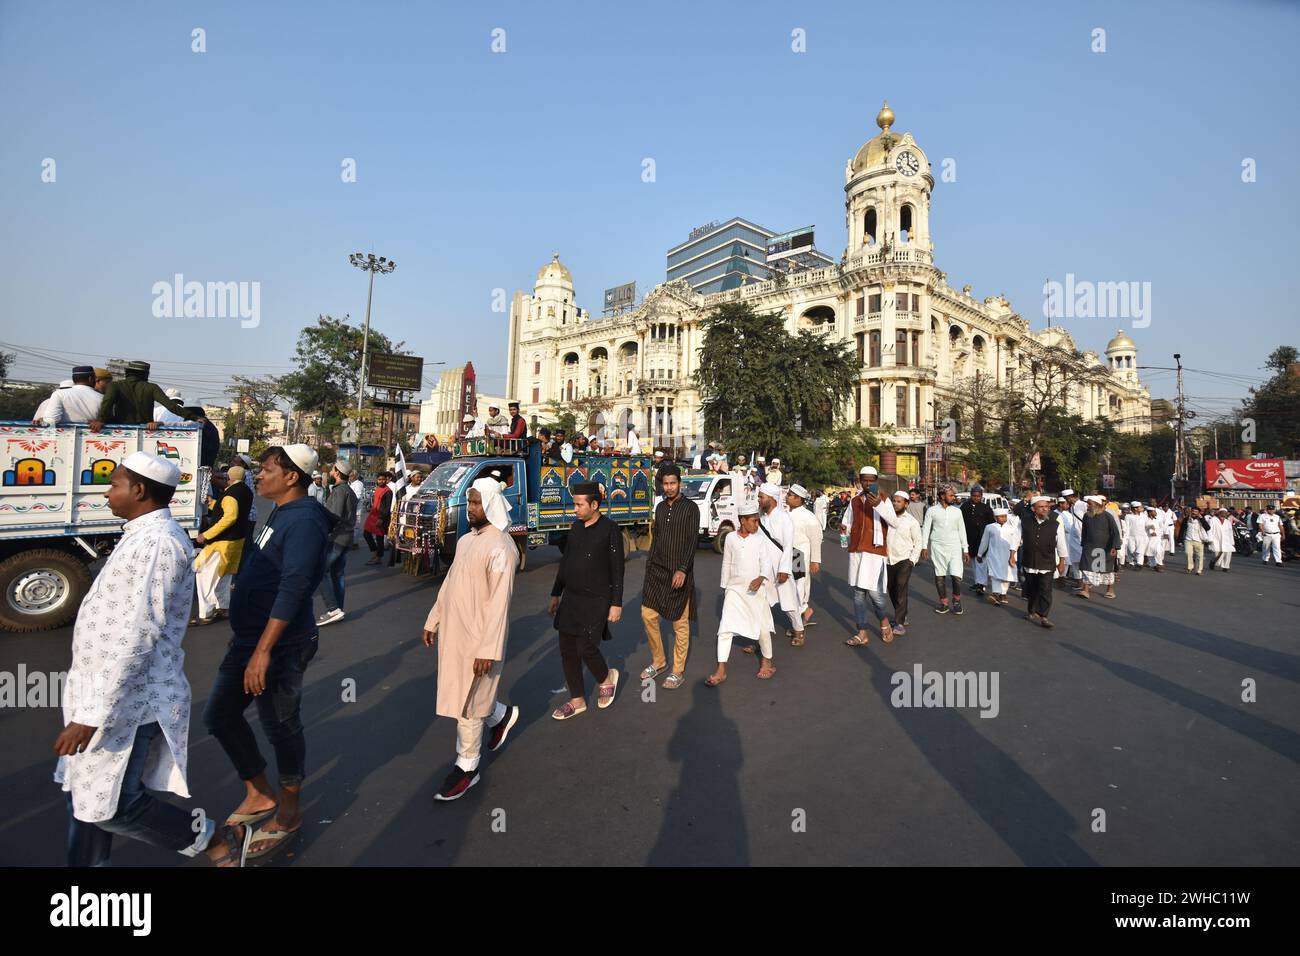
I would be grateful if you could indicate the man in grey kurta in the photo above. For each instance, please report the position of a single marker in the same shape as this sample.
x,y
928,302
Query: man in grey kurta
x,y
943,537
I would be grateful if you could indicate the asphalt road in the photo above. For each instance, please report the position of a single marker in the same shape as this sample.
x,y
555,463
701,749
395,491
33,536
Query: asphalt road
x,y
1130,706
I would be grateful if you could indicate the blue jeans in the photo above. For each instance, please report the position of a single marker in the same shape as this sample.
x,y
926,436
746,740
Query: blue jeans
x,y
278,708
860,598
139,815
331,585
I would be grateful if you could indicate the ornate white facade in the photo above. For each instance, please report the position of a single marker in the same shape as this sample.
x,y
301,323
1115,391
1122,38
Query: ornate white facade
x,y
920,342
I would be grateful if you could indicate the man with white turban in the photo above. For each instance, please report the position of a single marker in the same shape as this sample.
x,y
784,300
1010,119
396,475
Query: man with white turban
x,y
996,556
778,528
471,615
943,537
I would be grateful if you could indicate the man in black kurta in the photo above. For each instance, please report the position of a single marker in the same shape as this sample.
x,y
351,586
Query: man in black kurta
x,y
976,515
669,579
1101,543
587,598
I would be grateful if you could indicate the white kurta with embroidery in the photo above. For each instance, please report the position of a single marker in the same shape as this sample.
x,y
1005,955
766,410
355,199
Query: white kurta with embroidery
x,y
128,666
745,613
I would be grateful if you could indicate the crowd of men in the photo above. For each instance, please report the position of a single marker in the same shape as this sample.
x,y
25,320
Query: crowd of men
x,y
127,707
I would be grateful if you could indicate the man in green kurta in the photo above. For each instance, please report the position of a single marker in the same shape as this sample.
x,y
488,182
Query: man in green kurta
x,y
131,400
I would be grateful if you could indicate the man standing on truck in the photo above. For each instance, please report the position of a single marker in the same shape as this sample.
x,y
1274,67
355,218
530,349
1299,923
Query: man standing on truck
x,y
131,401
126,708
80,403
669,585
472,617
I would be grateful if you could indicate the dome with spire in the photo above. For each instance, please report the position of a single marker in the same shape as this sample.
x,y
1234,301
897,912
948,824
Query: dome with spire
x,y
1120,341
555,270
875,151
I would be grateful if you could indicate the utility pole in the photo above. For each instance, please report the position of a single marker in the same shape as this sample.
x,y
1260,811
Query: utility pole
x,y
372,264
1179,482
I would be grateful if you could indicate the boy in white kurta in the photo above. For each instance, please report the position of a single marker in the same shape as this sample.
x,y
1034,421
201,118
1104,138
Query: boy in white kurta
x,y
1155,539
471,615
777,528
997,555
808,533
127,703
749,586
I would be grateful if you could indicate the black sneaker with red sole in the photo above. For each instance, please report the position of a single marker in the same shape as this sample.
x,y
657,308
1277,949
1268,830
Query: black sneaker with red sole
x,y
502,730
457,782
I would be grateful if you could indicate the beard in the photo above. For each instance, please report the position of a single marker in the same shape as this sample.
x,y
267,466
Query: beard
x,y
477,523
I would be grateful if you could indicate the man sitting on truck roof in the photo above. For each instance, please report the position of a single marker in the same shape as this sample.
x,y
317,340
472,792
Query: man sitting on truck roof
x,y
77,403
131,401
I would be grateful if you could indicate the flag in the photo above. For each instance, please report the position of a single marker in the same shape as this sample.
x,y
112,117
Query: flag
x,y
400,479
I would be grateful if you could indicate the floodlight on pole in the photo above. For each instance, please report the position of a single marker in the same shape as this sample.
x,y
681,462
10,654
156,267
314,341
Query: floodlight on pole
x,y
371,263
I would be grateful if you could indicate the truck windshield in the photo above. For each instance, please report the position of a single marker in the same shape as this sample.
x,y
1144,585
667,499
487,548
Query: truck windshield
x,y
448,475
696,488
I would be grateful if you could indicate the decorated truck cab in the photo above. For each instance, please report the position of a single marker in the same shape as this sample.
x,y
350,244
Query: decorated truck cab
x,y
537,493
54,516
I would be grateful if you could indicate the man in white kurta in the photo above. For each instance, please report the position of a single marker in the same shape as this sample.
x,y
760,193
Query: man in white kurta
x,y
471,616
748,583
808,535
821,506
126,707
997,555
1155,539
1135,535
778,528
1221,540
943,537
1073,526
1169,520
1270,534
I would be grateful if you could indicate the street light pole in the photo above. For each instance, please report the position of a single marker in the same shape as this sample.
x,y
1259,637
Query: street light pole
x,y
372,264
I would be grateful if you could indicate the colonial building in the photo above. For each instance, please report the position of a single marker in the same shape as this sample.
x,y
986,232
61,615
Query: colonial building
x,y
922,345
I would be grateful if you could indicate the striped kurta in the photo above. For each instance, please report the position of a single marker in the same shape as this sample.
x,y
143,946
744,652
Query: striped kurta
x,y
674,535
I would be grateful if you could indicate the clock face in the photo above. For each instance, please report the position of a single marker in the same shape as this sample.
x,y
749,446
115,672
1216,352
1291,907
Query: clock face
x,y
907,163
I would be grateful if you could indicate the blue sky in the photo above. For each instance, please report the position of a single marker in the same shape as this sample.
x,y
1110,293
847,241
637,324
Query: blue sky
x,y
473,166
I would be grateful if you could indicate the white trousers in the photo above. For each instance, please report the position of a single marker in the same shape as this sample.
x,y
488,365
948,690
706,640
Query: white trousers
x,y
724,646
804,588
1272,544
469,736
213,588
1156,553
1133,551
1223,559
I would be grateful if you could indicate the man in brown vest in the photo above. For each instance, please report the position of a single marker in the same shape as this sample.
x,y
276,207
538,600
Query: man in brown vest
x,y
866,522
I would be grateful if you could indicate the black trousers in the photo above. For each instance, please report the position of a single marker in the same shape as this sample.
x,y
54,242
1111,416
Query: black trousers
x,y
1038,592
576,650
941,582
898,575
376,543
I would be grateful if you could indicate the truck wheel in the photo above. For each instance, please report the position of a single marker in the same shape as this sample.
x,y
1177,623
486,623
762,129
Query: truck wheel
x,y
720,540
641,540
522,544
41,589
629,542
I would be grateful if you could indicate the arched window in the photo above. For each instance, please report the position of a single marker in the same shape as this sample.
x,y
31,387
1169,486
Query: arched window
x,y
869,230
905,221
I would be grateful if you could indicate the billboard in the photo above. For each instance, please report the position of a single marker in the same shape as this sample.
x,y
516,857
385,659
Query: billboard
x,y
789,243
405,372
1249,474
468,401
620,297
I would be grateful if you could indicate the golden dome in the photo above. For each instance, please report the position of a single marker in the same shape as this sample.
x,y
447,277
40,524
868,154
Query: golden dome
x,y
1120,341
875,152
555,269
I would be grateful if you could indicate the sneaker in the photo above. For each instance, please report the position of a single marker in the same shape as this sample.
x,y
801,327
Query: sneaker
x,y
956,607
502,730
457,782
899,630
1044,622
1033,618
329,617
941,609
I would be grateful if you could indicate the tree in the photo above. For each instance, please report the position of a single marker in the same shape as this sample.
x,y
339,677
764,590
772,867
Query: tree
x,y
1274,408
20,404
761,388
252,401
328,357
6,362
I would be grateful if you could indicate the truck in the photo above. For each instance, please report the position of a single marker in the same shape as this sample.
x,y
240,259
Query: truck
x,y
538,494
54,516
711,492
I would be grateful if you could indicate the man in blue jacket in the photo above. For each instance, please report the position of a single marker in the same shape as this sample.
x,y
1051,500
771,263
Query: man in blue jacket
x,y
274,639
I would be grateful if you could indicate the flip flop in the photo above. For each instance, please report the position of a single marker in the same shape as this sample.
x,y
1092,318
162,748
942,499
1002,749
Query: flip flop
x,y
606,692
566,711
251,818
653,671
710,682
232,845
278,839
1110,596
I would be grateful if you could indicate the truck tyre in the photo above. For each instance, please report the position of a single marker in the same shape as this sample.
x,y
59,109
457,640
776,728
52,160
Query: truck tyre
x,y
522,544
41,589
720,540
629,542
641,539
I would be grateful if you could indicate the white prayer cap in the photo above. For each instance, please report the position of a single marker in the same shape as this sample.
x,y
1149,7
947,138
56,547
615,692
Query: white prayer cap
x,y
1067,492
1097,498
1060,501
659,454
867,470
468,418
801,491
151,466
173,393
762,460
494,506
775,461
304,456
1135,504
747,507
769,489
66,383
1037,498
999,511
902,493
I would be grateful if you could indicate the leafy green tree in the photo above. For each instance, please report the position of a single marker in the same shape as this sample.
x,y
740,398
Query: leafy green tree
x,y
253,399
1274,407
761,388
20,404
328,359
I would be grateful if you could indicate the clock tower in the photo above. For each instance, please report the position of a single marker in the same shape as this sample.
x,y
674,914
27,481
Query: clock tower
x,y
887,192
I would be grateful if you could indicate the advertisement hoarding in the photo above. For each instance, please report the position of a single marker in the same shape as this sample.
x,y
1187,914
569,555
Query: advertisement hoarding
x,y
1248,474
403,372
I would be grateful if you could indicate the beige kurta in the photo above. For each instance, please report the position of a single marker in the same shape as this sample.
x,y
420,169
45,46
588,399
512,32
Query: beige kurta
x,y
471,617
